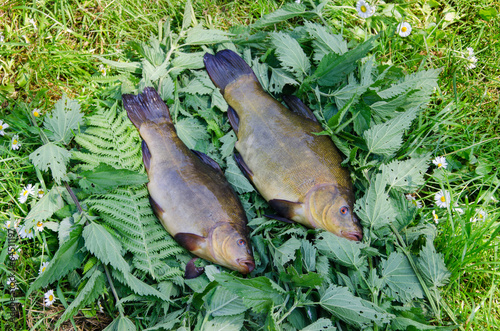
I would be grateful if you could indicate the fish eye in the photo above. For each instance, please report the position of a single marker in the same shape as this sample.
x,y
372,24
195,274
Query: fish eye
x,y
344,210
241,242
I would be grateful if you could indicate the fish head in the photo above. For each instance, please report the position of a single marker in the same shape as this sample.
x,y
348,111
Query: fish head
x,y
231,248
330,208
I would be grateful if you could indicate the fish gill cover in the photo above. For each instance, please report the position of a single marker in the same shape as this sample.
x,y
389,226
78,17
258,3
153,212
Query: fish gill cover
x,y
304,279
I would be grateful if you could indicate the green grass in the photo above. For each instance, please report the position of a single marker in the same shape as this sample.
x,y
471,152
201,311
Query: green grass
x,y
462,122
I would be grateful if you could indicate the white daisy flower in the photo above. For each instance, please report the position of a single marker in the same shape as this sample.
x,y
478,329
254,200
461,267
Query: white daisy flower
x,y
14,252
101,310
435,217
28,190
43,267
10,224
40,193
3,126
481,215
26,38
11,284
442,199
32,22
471,51
102,69
36,112
2,38
458,210
440,162
364,9
404,29
26,233
39,226
16,144
412,199
49,298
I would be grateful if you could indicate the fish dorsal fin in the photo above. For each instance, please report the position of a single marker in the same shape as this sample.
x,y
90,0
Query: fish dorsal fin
x,y
234,120
193,271
285,208
146,155
190,241
243,166
298,107
207,160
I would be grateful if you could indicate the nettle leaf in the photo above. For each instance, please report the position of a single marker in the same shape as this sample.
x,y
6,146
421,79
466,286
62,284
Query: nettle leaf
x,y
431,265
351,309
190,131
201,85
343,251
51,202
284,13
290,54
121,323
50,156
225,323
423,79
398,275
259,293
320,325
236,178
386,138
219,101
104,246
188,16
324,42
221,302
374,208
138,286
228,142
105,178
65,118
285,252
405,175
200,36
308,255
280,78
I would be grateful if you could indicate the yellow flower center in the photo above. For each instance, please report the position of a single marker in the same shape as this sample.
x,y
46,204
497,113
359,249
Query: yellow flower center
x,y
443,199
480,216
41,192
51,297
435,216
403,29
25,193
363,9
36,114
43,269
39,224
1,127
439,164
14,142
12,250
12,284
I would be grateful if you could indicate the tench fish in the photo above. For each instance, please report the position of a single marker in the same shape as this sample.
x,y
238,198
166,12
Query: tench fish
x,y
297,172
188,191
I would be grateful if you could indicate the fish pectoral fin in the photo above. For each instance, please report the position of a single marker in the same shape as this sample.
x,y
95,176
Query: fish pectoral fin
x,y
193,271
234,119
243,166
285,208
279,218
190,241
146,155
207,160
297,106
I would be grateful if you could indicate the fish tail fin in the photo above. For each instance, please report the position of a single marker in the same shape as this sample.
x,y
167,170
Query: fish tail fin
x,y
225,67
146,106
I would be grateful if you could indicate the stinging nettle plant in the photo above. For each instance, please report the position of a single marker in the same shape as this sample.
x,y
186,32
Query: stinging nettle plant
x,y
110,241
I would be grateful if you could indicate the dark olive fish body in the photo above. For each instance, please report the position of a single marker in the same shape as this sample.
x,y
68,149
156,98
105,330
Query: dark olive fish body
x,y
299,173
188,191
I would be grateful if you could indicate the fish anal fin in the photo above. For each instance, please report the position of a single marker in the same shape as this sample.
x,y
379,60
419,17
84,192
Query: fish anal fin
x,y
285,208
279,218
193,271
234,120
207,160
243,166
190,241
146,155
297,106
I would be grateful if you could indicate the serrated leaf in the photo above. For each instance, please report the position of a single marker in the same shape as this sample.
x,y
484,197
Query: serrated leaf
x,y
290,54
320,325
200,36
280,78
50,156
121,323
46,206
431,265
219,101
343,251
351,309
402,323
65,118
236,178
422,79
374,208
221,302
188,16
138,286
398,275
259,293
324,42
308,255
405,175
67,258
386,138
292,277
285,252
190,131
104,178
284,13
225,323
228,142
104,246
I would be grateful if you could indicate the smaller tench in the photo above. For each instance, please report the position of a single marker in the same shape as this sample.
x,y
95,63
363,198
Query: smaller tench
x,y
188,191
297,172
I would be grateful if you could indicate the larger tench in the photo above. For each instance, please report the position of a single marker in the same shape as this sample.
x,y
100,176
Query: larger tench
x,y
188,191
297,172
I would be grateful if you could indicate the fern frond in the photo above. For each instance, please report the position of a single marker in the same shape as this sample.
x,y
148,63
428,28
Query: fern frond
x,y
128,212
109,138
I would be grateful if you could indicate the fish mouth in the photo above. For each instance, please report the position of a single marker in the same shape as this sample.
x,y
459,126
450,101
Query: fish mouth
x,y
353,235
245,266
